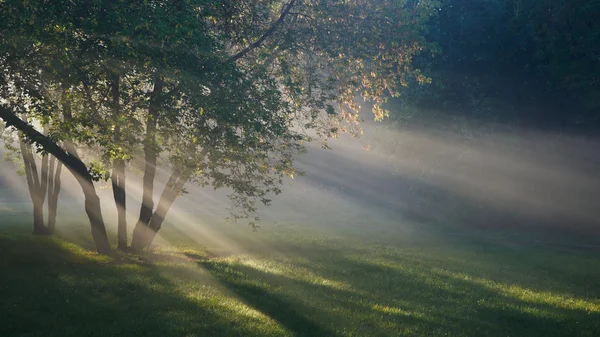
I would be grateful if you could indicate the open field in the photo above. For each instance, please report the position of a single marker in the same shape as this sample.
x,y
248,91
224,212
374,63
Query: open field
x,y
434,168
290,280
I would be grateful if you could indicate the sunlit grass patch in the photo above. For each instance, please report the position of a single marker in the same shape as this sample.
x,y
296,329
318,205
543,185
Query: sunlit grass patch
x,y
528,295
298,283
287,268
396,311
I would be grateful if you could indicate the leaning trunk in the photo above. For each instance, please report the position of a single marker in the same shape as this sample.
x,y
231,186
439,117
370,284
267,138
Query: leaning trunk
x,y
79,170
173,187
94,213
85,180
92,202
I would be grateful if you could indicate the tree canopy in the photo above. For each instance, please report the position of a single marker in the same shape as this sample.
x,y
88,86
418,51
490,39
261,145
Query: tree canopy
x,y
225,92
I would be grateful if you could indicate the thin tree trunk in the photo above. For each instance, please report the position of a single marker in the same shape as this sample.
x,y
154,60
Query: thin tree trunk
x,y
166,201
43,186
150,157
34,185
77,168
172,189
54,185
118,177
119,194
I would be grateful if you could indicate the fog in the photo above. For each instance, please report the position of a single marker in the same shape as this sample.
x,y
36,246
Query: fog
x,y
400,178
509,178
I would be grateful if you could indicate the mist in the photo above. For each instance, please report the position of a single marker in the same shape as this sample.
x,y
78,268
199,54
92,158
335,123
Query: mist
x,y
399,178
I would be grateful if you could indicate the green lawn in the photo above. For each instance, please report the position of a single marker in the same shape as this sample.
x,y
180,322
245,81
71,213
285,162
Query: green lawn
x,y
294,282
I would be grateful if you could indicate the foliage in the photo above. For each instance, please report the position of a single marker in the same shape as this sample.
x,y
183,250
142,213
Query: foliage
x,y
530,63
231,87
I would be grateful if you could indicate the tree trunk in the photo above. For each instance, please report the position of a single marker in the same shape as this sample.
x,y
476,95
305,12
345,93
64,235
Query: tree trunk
x,y
33,183
40,193
118,177
85,180
31,175
119,194
150,156
173,187
38,216
77,167
92,201
54,185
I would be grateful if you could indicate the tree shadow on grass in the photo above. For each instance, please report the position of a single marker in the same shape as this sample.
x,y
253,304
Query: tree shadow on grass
x,y
47,289
546,269
391,295
314,309
465,304
241,281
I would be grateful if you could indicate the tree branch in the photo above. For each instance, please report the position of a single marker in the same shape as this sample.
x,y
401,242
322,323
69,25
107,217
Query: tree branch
x,y
284,12
73,163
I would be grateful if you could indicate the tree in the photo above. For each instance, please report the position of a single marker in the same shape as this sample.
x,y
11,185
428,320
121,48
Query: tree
x,y
36,71
226,91
531,63
42,185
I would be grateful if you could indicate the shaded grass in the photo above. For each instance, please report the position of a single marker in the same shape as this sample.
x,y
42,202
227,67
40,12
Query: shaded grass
x,y
59,289
298,283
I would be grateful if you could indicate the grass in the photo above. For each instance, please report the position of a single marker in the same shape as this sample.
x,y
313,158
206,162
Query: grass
x,y
290,281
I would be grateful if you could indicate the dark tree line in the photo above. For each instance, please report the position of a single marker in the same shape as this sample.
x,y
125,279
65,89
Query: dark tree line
x,y
527,63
